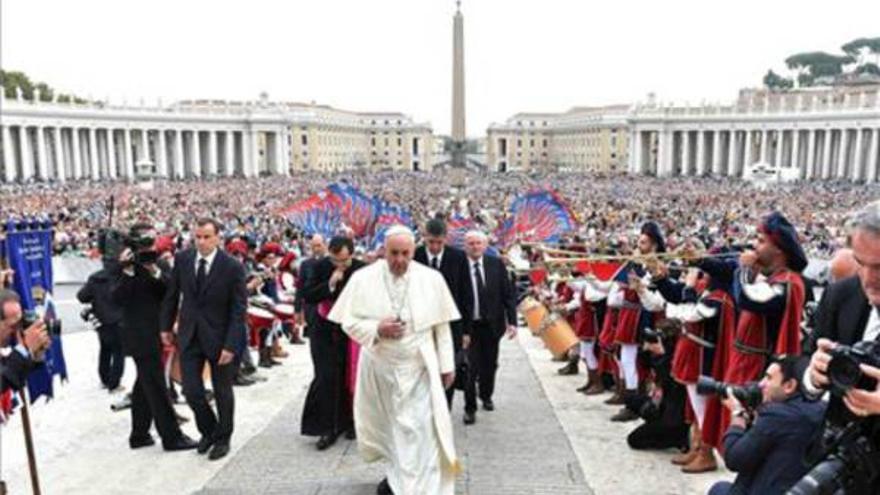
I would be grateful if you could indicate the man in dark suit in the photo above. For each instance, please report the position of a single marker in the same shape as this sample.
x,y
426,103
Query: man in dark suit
x,y
138,288
768,455
211,328
308,313
452,263
489,312
111,358
32,343
848,313
327,410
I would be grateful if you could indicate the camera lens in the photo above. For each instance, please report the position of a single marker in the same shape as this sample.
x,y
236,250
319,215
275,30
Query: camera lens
x,y
844,372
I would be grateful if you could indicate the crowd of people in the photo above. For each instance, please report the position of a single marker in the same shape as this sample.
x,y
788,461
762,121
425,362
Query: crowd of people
x,y
732,309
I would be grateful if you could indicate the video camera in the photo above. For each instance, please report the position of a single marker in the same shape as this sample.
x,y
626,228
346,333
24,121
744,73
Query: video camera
x,y
112,242
748,395
849,450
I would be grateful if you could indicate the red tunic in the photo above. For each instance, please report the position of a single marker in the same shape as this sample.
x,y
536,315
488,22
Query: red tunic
x,y
607,364
586,323
737,367
688,360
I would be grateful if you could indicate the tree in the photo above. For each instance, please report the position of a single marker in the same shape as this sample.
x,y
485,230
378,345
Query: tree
x,y
817,64
13,81
861,48
868,68
774,81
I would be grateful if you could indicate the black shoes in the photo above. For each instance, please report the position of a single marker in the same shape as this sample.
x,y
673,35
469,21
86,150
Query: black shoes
x,y
242,380
182,443
384,488
470,417
138,442
488,405
219,451
204,445
326,441
351,434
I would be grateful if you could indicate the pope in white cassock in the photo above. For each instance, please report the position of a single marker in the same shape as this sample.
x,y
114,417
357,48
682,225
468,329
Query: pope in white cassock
x,y
399,312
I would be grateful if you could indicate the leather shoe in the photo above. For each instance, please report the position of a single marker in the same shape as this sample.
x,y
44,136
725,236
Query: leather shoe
x,y
488,405
242,380
204,445
351,434
182,443
384,488
219,451
138,442
470,417
326,441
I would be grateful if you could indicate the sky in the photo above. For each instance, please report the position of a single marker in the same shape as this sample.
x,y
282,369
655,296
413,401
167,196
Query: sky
x,y
396,55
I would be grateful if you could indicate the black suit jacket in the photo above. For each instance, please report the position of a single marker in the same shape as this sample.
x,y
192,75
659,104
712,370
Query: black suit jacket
x,y
319,284
841,317
304,279
97,292
500,296
140,297
453,267
217,312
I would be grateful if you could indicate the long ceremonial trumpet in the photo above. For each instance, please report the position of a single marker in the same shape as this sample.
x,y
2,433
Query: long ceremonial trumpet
x,y
579,258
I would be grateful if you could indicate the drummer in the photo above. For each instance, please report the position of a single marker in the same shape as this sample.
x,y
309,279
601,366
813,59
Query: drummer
x,y
264,278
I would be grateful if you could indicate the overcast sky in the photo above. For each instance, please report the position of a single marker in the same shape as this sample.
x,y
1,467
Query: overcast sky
x,y
386,55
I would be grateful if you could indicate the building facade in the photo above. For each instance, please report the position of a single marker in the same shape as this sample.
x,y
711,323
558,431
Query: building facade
x,y
583,139
50,141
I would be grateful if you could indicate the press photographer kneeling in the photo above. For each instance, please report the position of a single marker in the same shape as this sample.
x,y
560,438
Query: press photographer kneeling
x,y
771,428
139,289
846,362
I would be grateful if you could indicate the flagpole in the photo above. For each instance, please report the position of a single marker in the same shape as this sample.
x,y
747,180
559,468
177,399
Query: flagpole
x,y
29,442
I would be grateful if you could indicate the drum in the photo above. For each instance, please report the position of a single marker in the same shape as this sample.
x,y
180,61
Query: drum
x,y
557,334
534,312
285,312
259,318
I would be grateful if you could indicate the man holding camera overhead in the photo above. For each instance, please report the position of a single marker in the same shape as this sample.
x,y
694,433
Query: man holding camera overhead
x,y
848,315
139,289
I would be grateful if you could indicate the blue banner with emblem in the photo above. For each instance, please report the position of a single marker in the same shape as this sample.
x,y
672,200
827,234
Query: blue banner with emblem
x,y
28,249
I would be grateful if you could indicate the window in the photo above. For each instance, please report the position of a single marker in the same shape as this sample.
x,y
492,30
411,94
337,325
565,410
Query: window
x,y
305,140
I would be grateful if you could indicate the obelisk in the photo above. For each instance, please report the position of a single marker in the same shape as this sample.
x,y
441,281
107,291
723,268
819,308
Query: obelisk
x,y
458,128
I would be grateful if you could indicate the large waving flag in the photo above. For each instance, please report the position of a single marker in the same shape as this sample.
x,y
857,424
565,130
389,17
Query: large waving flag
x,y
540,215
357,210
456,227
317,214
387,216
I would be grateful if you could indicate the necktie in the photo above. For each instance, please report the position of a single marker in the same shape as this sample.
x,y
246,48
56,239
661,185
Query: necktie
x,y
481,290
434,263
201,274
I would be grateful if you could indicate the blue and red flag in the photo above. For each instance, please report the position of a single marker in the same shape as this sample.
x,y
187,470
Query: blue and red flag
x,y
540,215
387,216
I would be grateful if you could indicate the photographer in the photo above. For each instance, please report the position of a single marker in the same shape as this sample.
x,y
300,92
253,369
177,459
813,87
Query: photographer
x,y
848,316
139,289
663,408
96,291
768,455
32,342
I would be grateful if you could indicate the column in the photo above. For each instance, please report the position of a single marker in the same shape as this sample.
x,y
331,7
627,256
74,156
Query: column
x,y
162,159
716,152
8,155
780,145
229,169
856,172
129,155
42,164
633,152
841,154
197,155
27,165
77,154
826,154
179,172
145,145
810,167
60,173
731,152
111,155
701,153
212,153
747,154
252,159
686,153
93,153
280,167
763,154
795,148
872,156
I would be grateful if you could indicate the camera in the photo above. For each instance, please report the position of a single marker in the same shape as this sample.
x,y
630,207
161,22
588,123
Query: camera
x,y
112,242
53,327
667,329
844,370
748,395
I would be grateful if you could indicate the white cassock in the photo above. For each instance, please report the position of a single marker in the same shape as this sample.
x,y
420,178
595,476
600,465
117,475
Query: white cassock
x,y
400,406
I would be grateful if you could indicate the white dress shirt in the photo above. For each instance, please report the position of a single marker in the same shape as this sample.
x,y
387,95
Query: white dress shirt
x,y
438,256
209,259
474,283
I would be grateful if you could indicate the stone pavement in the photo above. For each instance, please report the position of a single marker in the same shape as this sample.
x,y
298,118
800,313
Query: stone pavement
x,y
518,449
